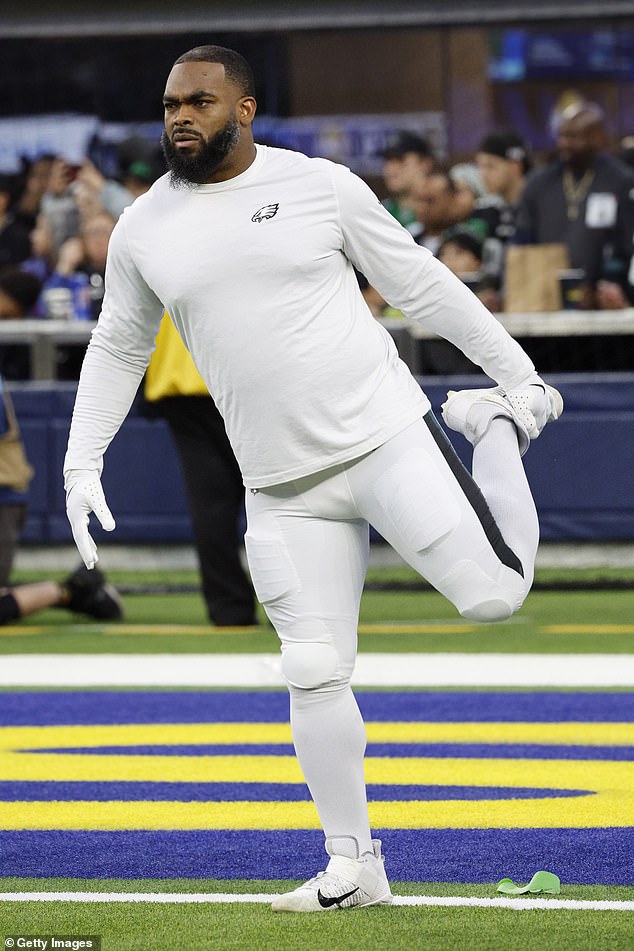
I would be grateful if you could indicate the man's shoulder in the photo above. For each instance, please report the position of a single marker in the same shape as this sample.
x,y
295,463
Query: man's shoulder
x,y
615,169
282,160
155,197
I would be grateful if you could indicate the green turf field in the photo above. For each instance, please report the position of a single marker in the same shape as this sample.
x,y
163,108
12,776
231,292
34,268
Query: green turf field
x,y
552,621
570,621
225,927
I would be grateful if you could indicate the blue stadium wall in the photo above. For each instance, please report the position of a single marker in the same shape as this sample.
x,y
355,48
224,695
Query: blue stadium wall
x,y
581,469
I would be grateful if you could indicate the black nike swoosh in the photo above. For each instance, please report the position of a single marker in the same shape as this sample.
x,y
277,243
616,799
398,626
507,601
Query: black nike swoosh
x,y
329,902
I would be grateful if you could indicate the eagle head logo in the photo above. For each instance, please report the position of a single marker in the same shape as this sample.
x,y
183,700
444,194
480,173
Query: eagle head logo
x,y
268,211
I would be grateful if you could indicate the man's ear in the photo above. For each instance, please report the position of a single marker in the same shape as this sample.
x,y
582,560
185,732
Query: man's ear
x,y
246,110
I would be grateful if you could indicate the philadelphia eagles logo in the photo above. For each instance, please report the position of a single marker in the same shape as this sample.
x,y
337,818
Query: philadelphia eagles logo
x,y
268,211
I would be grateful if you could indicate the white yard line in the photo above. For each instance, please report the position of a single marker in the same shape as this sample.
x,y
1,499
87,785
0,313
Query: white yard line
x,y
264,670
517,904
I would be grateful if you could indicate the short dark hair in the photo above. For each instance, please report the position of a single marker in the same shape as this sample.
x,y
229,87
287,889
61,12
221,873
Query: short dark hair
x,y
21,287
507,144
236,67
464,238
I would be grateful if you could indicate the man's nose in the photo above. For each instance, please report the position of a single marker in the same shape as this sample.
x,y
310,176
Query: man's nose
x,y
183,116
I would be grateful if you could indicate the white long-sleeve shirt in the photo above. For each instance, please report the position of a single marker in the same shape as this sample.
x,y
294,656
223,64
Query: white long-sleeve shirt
x,y
257,275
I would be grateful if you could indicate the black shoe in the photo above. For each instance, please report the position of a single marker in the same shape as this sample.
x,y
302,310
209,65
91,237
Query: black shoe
x,y
89,593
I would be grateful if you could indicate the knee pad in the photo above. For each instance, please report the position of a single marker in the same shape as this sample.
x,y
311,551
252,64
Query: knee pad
x,y
309,664
482,596
487,611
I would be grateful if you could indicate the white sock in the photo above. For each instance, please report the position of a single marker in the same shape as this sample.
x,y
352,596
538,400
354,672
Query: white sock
x,y
499,472
329,737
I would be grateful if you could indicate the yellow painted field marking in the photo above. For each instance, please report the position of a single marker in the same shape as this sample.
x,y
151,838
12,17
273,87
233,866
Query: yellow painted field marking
x,y
205,630
612,805
609,802
13,739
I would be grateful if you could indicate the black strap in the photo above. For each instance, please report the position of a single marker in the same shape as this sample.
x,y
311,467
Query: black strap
x,y
474,496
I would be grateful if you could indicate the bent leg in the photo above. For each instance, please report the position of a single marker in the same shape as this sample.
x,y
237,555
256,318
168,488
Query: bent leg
x,y
500,475
422,500
308,572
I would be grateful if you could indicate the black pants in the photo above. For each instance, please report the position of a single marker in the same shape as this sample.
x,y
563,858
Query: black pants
x,y
215,496
12,516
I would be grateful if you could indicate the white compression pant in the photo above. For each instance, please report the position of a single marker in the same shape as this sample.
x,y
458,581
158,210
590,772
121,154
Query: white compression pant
x,y
307,547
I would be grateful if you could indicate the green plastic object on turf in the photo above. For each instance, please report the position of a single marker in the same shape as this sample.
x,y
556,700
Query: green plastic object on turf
x,y
544,883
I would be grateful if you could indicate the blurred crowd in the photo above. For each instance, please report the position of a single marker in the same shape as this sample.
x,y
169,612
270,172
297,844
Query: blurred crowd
x,y
56,219
579,201
55,224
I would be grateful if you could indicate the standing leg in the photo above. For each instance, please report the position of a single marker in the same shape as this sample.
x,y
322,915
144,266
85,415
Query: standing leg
x,y
215,495
308,564
308,573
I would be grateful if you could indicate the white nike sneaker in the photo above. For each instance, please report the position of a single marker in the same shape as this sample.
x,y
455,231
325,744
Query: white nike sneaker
x,y
346,883
529,409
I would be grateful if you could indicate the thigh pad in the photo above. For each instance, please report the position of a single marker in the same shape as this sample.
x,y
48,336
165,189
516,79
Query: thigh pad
x,y
416,495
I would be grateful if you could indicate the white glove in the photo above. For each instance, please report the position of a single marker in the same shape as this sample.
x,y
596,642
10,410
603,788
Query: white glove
x,y
84,495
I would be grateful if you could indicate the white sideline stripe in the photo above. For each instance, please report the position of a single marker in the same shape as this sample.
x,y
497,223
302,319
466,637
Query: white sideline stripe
x,y
225,898
264,670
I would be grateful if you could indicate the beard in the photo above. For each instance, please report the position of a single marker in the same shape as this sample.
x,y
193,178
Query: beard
x,y
197,168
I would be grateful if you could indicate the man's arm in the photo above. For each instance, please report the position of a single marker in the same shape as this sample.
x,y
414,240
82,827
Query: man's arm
x,y
415,282
113,367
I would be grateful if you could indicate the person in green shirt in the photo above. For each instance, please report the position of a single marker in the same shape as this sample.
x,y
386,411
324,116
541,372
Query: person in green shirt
x,y
408,158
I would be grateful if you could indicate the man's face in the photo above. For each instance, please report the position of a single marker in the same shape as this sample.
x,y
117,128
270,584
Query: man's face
x,y
495,172
434,203
201,125
96,236
578,140
402,173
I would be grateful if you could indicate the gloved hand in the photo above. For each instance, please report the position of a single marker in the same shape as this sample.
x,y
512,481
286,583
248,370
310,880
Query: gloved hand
x,y
535,404
84,495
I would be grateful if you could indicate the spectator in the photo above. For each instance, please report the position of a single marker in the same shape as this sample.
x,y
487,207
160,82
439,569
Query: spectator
x,y
106,194
14,237
36,178
575,199
19,292
436,207
42,261
58,202
84,255
434,203
469,189
504,161
84,591
18,295
462,251
408,159
615,289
